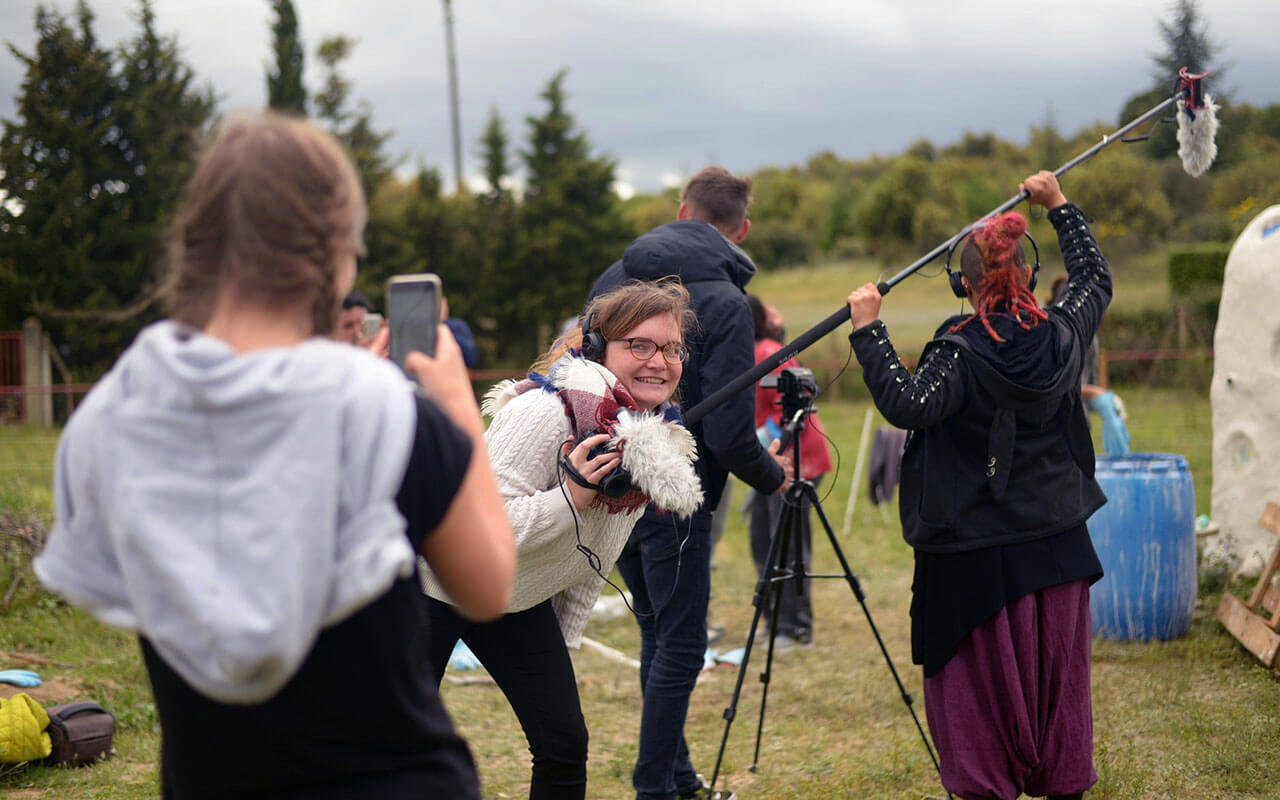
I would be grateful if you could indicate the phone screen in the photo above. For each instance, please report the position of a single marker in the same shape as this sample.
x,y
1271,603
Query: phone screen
x,y
413,308
372,324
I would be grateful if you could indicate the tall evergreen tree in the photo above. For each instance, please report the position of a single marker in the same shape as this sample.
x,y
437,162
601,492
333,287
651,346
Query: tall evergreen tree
x,y
494,229
493,152
1186,40
571,228
162,115
285,89
92,166
354,128
1186,44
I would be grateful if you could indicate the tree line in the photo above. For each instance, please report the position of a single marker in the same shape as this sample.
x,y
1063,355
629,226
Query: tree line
x,y
103,139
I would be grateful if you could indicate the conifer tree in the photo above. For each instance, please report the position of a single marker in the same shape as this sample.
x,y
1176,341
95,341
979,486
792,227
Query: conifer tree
x,y
353,127
493,151
494,231
285,89
92,167
571,228
1186,44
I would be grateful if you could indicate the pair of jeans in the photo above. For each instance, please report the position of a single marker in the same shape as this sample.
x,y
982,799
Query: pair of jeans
x,y
667,567
525,654
795,611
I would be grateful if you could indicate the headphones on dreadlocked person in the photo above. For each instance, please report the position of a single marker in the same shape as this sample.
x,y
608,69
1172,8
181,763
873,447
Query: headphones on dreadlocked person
x,y
593,343
954,278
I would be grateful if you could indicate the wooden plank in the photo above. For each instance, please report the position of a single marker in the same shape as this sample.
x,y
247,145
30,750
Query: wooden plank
x,y
1270,521
1271,518
1271,602
1251,630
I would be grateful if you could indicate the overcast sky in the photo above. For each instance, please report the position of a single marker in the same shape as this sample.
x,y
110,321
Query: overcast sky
x,y
666,86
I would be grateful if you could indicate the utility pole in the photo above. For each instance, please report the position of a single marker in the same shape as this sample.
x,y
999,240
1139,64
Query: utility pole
x,y
453,95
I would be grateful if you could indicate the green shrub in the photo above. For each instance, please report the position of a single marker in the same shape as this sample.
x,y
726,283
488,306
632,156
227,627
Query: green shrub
x,y
1196,270
775,244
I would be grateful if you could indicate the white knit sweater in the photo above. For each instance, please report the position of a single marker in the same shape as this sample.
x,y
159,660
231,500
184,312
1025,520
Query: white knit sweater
x,y
524,442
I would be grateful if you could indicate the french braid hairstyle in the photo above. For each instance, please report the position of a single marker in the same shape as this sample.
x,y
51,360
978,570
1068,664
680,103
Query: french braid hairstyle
x,y
273,208
993,263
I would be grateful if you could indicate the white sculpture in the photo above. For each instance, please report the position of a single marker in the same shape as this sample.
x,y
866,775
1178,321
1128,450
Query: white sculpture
x,y
1245,394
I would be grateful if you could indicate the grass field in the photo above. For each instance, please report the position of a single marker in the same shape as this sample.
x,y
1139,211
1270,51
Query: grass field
x,y
1190,718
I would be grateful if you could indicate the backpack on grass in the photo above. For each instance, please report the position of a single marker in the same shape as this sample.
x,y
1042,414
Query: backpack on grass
x,y
81,733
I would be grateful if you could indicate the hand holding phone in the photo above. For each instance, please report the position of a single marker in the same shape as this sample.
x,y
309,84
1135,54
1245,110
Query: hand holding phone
x,y
413,309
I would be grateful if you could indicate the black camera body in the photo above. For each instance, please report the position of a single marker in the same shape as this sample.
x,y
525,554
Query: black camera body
x,y
797,385
616,483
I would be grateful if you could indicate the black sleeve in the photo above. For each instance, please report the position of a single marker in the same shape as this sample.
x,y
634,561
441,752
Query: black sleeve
x,y
933,393
1088,291
729,431
437,464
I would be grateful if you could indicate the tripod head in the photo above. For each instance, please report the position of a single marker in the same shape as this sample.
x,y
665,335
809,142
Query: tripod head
x,y
798,386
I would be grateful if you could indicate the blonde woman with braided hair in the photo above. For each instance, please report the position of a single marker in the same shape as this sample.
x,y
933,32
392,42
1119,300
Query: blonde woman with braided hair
x,y
248,495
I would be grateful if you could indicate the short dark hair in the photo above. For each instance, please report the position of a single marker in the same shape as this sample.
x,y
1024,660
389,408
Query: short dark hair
x,y
718,197
354,299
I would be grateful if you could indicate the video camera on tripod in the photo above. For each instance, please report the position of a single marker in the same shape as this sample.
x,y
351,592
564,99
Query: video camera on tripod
x,y
798,387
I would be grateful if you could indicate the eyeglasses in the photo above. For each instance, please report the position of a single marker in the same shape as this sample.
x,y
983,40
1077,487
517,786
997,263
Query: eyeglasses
x,y
643,349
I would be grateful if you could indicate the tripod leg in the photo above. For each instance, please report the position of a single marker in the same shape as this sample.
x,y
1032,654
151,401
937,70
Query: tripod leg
x,y
856,587
764,585
776,570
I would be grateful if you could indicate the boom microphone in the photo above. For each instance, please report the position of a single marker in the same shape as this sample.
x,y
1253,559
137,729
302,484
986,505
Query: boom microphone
x,y
1197,125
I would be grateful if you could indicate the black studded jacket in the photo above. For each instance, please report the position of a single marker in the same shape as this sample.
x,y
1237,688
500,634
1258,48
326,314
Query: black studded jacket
x,y
999,451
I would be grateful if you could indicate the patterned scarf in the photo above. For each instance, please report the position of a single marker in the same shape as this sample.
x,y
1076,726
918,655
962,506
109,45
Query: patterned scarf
x,y
592,397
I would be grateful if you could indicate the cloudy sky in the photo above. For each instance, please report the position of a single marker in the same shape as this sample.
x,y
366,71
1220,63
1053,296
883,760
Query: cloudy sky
x,y
665,86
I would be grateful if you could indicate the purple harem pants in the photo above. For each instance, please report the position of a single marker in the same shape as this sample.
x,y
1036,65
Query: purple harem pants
x,y
1011,712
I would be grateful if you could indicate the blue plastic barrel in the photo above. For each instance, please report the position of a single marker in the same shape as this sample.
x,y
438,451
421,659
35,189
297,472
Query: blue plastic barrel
x,y
1145,538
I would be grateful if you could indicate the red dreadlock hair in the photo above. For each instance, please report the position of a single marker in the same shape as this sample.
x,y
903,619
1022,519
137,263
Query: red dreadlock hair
x,y
993,263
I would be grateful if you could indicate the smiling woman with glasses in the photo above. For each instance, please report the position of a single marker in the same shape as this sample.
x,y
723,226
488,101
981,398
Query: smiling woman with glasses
x,y
597,400
643,349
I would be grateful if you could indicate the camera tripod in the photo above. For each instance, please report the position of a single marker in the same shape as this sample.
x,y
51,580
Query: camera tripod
x,y
784,545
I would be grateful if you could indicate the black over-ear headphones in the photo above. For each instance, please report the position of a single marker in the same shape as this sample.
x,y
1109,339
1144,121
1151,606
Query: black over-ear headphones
x,y
954,278
593,343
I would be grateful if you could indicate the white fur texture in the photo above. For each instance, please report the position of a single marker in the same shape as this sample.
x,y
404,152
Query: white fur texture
x,y
498,396
1196,145
659,455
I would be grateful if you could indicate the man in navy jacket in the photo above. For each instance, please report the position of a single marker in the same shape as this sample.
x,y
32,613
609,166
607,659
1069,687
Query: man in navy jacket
x,y
667,564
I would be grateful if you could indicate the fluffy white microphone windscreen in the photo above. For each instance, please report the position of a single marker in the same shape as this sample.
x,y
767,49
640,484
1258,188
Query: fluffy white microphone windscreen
x,y
1196,131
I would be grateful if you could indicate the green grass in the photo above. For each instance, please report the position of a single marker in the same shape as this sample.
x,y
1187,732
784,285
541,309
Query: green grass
x,y
1191,718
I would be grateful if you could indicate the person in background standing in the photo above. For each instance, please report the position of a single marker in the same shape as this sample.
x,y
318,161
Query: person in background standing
x,y
461,333
667,565
355,307
795,614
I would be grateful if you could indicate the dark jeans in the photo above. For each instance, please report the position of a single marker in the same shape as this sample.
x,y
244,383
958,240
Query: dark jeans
x,y
526,655
795,613
670,587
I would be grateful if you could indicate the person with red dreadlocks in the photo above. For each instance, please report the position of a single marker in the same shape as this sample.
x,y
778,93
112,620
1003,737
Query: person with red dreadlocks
x,y
997,483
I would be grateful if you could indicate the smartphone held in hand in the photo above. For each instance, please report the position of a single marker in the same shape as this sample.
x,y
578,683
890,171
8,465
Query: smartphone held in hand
x,y
372,324
413,310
